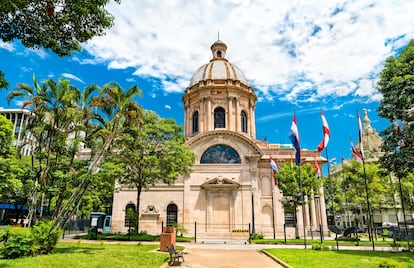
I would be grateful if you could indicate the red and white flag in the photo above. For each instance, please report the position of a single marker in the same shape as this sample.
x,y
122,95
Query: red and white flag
x,y
355,152
317,169
361,147
326,134
274,168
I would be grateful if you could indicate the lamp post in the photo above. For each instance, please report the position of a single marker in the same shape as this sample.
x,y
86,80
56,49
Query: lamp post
x,y
253,225
318,199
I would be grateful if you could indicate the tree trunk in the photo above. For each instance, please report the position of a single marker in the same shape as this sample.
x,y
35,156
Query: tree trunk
x,y
69,208
139,190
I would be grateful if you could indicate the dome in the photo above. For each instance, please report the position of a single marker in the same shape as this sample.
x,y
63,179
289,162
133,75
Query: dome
x,y
218,67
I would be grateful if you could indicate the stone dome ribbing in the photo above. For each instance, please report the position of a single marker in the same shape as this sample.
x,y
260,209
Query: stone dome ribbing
x,y
218,67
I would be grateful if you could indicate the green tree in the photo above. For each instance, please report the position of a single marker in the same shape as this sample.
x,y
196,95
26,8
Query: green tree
x,y
153,152
6,136
57,25
397,87
116,111
289,178
54,108
65,120
100,195
353,186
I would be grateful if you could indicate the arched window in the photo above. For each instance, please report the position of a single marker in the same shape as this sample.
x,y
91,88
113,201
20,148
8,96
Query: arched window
x,y
130,215
220,154
195,122
172,214
243,119
219,118
219,54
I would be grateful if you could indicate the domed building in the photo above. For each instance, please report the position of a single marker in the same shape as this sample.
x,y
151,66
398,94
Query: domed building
x,y
230,191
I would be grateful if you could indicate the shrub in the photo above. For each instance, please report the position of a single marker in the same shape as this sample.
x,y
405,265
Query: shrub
x,y
17,243
179,228
320,246
390,264
44,238
256,236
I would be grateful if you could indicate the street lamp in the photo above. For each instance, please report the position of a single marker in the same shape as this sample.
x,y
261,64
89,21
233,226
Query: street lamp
x,y
253,225
318,199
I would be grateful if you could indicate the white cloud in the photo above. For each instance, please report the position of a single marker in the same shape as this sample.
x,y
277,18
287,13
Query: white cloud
x,y
167,107
7,46
72,77
291,50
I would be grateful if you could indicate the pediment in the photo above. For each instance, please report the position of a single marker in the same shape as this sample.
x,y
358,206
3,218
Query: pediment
x,y
220,183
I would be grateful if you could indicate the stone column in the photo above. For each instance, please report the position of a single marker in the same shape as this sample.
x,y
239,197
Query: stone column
x,y
228,115
19,136
299,220
313,212
201,116
252,123
209,210
209,113
237,115
186,132
187,202
323,209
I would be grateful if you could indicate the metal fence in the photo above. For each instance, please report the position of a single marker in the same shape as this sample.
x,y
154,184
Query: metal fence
x,y
78,226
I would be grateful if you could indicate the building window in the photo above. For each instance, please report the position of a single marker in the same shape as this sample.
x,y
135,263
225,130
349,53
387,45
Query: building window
x,y
195,122
219,54
243,118
130,215
171,214
219,118
220,154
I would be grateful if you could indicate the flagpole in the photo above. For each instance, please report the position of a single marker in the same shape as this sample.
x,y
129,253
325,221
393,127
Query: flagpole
x,y
303,207
294,137
273,181
332,197
273,204
370,227
319,205
361,148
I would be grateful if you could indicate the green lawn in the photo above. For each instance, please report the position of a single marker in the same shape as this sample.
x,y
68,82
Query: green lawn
x,y
298,258
94,255
83,254
330,242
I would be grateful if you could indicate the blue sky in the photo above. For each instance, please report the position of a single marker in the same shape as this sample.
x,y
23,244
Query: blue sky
x,y
299,56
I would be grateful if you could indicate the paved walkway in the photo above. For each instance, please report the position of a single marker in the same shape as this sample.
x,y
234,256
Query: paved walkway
x,y
241,255
225,256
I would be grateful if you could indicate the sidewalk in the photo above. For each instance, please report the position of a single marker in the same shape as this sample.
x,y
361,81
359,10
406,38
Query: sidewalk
x,y
228,256
240,255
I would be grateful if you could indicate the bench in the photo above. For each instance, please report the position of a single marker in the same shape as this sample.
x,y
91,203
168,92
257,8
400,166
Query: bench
x,y
175,255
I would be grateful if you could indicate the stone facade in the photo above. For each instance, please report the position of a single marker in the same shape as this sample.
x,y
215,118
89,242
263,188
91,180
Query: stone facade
x,y
230,190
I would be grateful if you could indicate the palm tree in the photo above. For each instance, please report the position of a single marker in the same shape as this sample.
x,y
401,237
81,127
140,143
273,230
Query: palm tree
x,y
52,104
116,108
